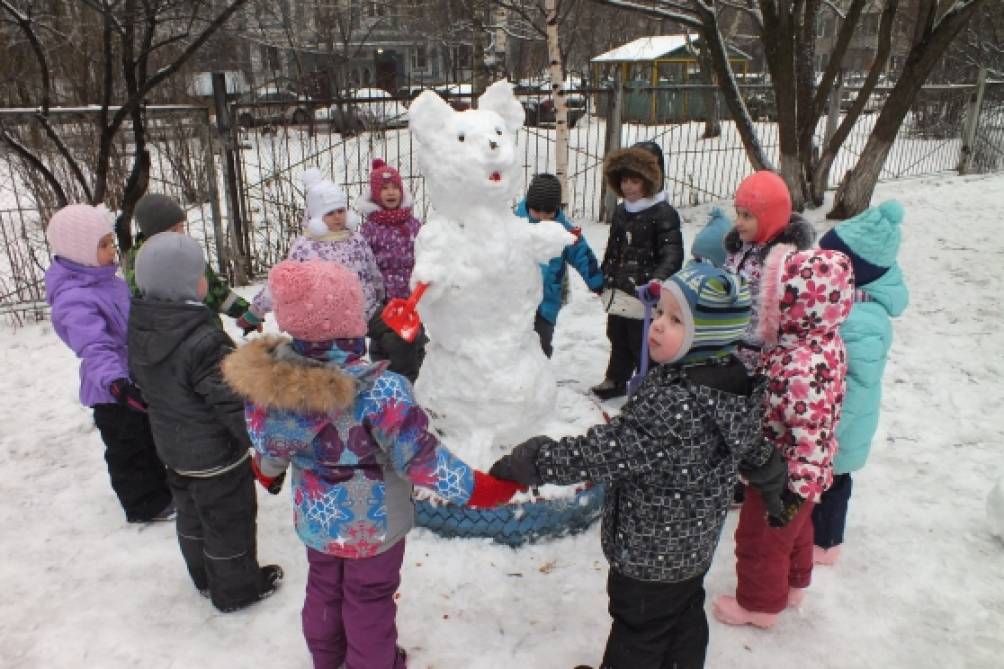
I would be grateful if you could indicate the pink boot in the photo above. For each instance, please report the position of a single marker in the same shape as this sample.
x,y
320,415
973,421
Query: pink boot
x,y
825,556
795,597
727,610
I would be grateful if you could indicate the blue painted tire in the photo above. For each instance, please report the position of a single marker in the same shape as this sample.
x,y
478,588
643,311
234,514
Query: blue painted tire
x,y
514,524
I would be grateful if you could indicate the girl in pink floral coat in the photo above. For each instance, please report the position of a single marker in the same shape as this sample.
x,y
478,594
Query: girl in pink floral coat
x,y
804,297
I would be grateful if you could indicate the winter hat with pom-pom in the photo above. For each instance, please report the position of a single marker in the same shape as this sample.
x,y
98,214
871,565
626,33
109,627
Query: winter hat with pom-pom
x,y
715,306
317,300
383,174
323,197
75,230
168,268
765,195
871,240
709,244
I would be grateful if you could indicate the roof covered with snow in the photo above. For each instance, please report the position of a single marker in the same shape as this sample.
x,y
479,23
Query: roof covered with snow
x,y
658,46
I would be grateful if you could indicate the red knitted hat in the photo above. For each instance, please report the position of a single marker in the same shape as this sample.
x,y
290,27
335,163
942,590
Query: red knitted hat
x,y
383,173
765,195
317,300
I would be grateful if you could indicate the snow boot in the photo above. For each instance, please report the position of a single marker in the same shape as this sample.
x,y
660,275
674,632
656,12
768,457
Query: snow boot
x,y
271,577
727,610
169,512
825,556
795,597
608,389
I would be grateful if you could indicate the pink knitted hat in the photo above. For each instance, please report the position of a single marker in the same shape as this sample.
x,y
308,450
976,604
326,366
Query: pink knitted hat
x,y
383,173
75,230
765,195
317,300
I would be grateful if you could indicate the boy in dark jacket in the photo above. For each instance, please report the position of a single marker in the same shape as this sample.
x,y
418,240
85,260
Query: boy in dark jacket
x,y
543,203
669,462
175,348
645,243
156,213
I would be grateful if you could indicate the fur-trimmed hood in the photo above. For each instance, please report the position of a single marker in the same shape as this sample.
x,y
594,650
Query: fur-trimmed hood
x,y
799,233
637,161
268,373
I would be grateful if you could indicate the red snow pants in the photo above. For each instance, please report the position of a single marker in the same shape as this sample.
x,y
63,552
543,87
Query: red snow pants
x,y
769,560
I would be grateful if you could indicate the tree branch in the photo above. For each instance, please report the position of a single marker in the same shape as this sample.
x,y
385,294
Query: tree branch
x,y
29,157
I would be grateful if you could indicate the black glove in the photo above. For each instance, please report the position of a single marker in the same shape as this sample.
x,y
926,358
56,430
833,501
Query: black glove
x,y
128,395
272,484
783,508
521,464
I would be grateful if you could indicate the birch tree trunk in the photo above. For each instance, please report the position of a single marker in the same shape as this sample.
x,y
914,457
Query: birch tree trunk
x,y
558,95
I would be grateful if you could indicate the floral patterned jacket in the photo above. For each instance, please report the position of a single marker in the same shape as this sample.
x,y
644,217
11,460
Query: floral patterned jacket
x,y
355,437
804,297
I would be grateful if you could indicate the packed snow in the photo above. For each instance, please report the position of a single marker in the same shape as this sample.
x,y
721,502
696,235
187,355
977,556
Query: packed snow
x,y
920,582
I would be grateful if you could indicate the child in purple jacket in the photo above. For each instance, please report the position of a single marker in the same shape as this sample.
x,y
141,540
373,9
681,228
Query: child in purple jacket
x,y
90,313
391,228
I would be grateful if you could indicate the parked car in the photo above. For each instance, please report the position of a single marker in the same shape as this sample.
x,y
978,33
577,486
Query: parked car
x,y
273,105
365,109
542,112
460,96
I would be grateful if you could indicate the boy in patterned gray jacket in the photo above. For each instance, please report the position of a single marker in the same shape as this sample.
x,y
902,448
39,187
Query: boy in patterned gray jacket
x,y
669,462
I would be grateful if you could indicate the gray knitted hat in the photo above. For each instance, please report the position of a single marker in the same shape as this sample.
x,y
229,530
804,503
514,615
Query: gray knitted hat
x,y
544,193
156,213
168,268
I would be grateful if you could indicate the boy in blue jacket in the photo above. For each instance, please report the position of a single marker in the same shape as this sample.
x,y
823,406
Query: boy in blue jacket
x,y
871,240
543,203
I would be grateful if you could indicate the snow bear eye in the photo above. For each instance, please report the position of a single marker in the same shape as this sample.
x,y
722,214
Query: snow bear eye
x,y
460,137
498,132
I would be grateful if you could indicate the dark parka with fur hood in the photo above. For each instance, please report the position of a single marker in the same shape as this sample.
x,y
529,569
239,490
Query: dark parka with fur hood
x,y
645,244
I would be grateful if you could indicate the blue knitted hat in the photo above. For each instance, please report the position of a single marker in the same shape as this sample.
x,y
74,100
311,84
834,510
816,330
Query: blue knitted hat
x,y
716,310
871,240
709,243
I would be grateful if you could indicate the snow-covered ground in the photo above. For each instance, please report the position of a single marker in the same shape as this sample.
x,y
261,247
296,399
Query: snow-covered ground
x,y
921,582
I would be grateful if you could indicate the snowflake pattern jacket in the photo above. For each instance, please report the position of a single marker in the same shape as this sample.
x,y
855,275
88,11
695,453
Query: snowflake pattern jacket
x,y
355,437
804,298
669,462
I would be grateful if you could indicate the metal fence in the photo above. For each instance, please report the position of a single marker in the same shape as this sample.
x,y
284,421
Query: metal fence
x,y
271,150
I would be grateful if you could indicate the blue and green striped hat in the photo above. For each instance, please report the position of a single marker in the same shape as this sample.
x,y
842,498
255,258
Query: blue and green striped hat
x,y
717,310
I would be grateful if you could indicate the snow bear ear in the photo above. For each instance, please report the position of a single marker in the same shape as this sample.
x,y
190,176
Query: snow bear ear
x,y
499,98
427,114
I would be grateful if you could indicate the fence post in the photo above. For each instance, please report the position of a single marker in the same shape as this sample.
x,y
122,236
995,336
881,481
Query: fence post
x,y
238,266
222,261
615,111
972,123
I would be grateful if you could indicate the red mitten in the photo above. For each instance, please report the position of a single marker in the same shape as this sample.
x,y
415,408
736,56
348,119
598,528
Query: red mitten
x,y
577,231
490,491
272,484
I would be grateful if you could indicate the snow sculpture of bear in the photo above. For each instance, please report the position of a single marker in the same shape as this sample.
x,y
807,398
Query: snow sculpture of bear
x,y
484,377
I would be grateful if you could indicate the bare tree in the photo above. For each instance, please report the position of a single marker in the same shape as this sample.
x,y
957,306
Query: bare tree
x,y
142,43
785,30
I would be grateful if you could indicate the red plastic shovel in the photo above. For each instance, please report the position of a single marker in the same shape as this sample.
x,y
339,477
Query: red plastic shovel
x,y
401,317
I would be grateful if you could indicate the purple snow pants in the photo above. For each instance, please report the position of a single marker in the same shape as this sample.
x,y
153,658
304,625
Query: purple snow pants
x,y
349,611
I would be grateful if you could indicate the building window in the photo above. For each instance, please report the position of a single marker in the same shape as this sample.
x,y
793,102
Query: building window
x,y
376,9
269,58
462,56
420,58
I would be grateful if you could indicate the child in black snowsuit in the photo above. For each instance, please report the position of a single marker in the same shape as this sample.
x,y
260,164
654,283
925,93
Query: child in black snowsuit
x,y
175,348
645,243
669,462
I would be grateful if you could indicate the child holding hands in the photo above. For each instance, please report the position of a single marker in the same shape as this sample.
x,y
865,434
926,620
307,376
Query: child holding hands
x,y
391,228
669,462
357,442
804,297
90,313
